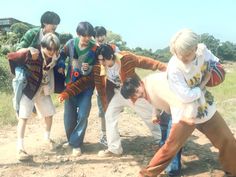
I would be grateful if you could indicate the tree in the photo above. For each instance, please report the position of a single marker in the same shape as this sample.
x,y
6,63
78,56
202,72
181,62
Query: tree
x,y
211,43
117,40
19,29
227,51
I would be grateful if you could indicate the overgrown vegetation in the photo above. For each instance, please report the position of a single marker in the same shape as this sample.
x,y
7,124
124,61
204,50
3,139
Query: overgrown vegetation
x,y
5,76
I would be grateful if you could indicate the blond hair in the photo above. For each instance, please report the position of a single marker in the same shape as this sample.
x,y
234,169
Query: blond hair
x,y
50,41
183,41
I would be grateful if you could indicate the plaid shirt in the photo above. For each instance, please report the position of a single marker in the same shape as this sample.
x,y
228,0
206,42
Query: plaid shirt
x,y
31,39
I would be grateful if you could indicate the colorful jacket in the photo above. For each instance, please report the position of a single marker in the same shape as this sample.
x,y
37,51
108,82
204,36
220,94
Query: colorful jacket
x,y
128,62
76,58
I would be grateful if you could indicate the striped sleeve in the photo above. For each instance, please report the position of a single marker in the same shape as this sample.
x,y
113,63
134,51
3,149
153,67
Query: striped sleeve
x,y
73,89
146,62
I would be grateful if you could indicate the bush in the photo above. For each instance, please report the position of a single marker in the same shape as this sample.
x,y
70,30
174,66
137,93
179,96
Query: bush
x,y
6,76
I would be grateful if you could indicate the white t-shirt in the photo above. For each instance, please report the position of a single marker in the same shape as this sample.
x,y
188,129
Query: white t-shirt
x,y
113,74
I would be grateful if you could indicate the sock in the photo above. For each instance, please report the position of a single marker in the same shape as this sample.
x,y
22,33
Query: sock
x,y
47,135
20,144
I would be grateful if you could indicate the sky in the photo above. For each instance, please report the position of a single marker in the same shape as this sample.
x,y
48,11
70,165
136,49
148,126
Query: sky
x,y
148,24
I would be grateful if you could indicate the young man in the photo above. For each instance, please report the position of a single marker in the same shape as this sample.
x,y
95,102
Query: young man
x,y
100,38
32,38
31,42
81,54
162,97
40,84
118,66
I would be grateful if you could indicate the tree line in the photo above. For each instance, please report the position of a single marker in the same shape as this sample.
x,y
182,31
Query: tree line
x,y
223,50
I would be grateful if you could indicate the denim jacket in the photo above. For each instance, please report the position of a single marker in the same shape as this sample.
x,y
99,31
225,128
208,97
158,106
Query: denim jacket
x,y
18,83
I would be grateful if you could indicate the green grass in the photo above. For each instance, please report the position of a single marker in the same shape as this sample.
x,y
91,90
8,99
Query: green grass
x,y
225,96
7,113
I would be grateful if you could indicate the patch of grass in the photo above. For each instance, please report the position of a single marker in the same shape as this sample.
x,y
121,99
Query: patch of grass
x,y
7,113
225,96
5,75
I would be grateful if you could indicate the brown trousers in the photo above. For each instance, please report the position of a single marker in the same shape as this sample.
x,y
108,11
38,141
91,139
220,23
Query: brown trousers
x,y
215,130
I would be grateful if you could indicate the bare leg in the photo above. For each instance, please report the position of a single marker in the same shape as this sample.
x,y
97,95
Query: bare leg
x,y
48,126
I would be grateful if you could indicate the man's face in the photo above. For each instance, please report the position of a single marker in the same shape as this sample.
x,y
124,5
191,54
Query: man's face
x,y
49,53
49,28
139,93
84,40
100,39
106,63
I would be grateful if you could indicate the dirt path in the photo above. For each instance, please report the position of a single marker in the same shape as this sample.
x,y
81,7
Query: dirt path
x,y
199,157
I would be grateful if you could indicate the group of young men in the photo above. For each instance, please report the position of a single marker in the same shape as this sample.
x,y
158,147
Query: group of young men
x,y
94,63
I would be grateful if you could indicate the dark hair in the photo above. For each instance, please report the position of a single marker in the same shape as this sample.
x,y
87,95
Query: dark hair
x,y
106,51
85,29
100,31
129,86
50,18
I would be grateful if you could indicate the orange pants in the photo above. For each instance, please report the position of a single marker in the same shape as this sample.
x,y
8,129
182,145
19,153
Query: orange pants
x,y
216,131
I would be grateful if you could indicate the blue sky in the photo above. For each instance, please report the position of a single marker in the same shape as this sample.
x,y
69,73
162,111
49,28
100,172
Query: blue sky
x,y
144,23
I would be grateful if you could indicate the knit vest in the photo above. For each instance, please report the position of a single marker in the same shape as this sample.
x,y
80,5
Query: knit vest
x,y
34,75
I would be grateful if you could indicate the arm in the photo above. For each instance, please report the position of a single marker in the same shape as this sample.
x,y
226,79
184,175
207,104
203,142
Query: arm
x,y
179,86
85,82
64,53
19,55
156,116
207,54
76,87
27,40
145,62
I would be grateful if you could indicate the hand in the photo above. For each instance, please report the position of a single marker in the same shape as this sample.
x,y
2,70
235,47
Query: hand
x,y
34,53
56,55
156,120
63,96
205,80
85,66
61,70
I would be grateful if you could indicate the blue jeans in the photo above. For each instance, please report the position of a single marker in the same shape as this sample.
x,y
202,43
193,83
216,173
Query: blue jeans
x,y
175,166
76,112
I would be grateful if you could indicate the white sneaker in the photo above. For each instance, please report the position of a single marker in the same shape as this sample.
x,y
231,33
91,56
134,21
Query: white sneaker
x,y
76,152
107,153
23,155
66,145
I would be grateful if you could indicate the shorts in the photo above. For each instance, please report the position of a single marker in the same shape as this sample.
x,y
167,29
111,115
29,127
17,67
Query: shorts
x,y
43,104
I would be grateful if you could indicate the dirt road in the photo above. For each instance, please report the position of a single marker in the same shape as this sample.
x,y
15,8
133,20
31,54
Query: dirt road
x,y
199,157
